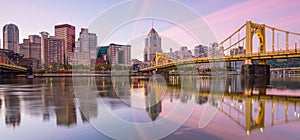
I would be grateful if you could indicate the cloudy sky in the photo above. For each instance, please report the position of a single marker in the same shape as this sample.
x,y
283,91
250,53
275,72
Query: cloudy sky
x,y
223,17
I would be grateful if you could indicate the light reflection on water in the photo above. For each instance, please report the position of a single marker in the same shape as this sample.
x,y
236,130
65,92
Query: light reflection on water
x,y
45,108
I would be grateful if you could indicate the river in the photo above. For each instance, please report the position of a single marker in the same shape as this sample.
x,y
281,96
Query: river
x,y
225,107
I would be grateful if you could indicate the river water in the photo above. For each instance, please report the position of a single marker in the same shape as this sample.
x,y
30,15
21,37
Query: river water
x,y
228,107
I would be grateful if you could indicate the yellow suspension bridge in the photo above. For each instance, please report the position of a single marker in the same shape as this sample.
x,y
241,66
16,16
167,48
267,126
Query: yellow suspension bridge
x,y
241,38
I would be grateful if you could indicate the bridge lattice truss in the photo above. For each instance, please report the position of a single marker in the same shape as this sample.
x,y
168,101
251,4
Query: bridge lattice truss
x,y
7,64
242,46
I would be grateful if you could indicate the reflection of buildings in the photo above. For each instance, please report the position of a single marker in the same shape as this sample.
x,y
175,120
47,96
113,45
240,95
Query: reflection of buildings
x,y
154,111
202,99
153,101
46,98
12,113
137,83
66,116
112,90
64,100
86,97
60,96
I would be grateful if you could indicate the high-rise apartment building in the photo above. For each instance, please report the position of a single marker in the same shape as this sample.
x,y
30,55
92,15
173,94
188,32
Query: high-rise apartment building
x,y
11,37
119,54
31,47
66,32
152,45
44,43
54,51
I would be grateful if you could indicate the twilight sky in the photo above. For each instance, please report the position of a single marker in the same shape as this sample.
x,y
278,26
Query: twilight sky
x,y
223,17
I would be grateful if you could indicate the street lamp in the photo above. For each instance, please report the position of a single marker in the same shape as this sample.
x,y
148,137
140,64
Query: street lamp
x,y
278,42
295,46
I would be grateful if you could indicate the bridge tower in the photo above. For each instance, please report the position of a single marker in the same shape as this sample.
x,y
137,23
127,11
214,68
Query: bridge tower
x,y
259,30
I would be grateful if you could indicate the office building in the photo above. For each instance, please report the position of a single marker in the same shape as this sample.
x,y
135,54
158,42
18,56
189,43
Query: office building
x,y
11,37
31,47
183,53
152,45
119,54
86,48
200,51
54,51
66,32
237,51
44,43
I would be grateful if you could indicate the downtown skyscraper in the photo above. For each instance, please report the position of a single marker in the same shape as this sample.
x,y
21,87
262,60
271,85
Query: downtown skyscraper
x,y
67,32
152,45
86,48
11,37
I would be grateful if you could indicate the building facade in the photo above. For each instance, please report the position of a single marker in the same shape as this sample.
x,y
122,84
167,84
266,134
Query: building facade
x,y
119,54
183,53
44,43
67,32
86,48
54,51
102,55
237,51
11,37
31,48
201,51
152,45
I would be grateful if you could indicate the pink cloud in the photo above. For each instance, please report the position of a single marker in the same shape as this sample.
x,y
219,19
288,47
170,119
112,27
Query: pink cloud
x,y
274,13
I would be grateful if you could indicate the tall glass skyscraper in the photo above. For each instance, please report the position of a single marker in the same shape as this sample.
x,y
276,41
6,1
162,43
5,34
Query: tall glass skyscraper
x,y
11,37
152,45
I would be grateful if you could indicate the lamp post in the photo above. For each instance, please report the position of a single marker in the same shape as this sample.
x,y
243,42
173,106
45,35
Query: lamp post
x,y
278,42
295,46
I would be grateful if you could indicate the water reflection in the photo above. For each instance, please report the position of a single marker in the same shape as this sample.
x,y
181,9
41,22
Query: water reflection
x,y
12,112
250,102
49,98
254,104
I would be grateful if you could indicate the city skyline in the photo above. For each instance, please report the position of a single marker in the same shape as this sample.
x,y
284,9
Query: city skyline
x,y
214,15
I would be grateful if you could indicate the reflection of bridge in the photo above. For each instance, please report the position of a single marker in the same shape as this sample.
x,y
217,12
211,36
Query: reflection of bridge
x,y
243,38
246,101
8,66
259,111
291,70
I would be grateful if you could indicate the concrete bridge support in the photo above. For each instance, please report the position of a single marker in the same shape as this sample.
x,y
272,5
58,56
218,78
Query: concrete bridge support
x,y
255,69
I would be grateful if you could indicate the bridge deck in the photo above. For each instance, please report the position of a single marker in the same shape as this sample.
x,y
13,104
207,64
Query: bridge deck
x,y
266,56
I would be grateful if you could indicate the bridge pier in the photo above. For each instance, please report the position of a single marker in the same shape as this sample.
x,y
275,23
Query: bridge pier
x,y
163,72
251,81
255,69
